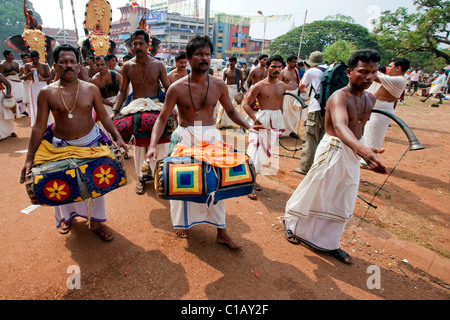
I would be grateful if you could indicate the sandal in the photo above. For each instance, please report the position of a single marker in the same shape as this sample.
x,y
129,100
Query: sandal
x,y
289,235
140,188
257,187
104,233
65,227
342,256
252,196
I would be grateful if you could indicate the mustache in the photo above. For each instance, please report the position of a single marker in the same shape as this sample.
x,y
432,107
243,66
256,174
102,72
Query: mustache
x,y
204,63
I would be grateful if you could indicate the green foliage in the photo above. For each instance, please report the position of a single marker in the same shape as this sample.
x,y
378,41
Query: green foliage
x,y
12,19
427,30
319,35
340,50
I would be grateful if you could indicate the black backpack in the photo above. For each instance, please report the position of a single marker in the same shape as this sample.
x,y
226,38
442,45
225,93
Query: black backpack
x,y
334,78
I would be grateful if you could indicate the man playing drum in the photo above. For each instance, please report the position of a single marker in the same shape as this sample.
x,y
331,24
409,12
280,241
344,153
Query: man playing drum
x,y
71,102
196,97
145,73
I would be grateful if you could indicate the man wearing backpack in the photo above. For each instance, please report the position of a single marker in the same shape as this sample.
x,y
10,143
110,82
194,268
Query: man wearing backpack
x,y
315,127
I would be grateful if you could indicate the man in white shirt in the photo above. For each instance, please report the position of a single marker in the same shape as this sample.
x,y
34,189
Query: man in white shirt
x,y
414,79
315,127
436,87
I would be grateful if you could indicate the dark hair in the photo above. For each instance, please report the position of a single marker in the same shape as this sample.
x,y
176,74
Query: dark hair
x,y
35,54
101,57
382,69
180,55
63,47
262,56
6,52
275,58
363,55
402,63
291,57
23,55
233,58
196,42
141,32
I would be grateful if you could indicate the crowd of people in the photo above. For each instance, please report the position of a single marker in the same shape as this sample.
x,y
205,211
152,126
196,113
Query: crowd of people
x,y
76,103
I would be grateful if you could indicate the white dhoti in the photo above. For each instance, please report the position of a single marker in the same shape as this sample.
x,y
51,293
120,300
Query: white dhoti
x,y
16,87
376,128
6,120
186,214
26,91
325,199
291,113
435,89
261,145
222,117
91,208
35,88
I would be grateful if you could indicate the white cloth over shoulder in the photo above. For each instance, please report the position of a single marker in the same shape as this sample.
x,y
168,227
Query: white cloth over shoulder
x,y
394,85
325,199
186,214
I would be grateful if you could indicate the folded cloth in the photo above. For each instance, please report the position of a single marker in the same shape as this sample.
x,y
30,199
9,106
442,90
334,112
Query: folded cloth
x,y
142,104
217,154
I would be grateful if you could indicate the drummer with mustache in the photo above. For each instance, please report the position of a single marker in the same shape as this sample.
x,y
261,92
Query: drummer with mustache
x,y
71,102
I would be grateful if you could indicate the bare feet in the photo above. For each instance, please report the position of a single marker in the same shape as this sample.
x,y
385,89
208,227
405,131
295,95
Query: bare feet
x,y
224,238
182,233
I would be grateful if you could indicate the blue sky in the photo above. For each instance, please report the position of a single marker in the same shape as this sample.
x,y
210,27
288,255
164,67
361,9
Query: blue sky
x,y
361,10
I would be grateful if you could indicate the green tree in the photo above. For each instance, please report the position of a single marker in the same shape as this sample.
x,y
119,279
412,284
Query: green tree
x,y
320,34
12,19
427,30
340,50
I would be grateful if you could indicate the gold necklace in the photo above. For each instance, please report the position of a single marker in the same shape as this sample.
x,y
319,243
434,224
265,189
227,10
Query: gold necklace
x,y
70,116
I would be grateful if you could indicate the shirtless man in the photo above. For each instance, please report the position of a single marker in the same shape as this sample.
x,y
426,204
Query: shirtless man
x,y
9,66
90,66
291,111
196,104
104,81
43,69
36,85
10,69
71,102
269,93
258,73
387,89
180,67
324,201
231,79
145,74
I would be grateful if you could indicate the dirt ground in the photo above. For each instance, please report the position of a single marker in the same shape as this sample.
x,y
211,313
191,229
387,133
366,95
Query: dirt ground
x,y
406,238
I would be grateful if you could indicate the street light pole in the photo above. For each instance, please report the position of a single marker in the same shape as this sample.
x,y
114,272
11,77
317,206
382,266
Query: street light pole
x,y
62,17
207,9
264,34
